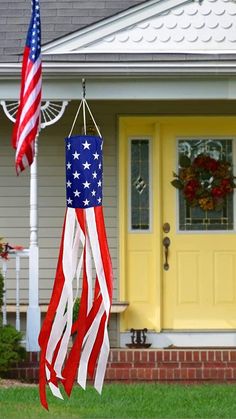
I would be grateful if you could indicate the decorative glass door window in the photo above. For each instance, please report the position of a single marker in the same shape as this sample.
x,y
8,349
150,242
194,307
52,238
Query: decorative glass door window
x,y
195,218
139,184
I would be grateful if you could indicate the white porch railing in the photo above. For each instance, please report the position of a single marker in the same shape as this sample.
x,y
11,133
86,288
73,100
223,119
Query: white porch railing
x,y
17,255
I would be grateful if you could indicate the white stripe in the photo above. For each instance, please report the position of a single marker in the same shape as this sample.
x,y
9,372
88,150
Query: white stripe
x,y
32,72
93,236
31,99
89,340
102,361
29,126
89,274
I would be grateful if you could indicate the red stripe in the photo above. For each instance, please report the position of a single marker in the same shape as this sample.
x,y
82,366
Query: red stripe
x,y
47,324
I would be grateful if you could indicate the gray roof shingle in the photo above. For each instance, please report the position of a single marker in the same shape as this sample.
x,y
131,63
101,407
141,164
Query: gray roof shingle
x,y
58,19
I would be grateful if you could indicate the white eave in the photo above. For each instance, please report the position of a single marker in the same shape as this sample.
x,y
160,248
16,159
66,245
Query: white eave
x,y
121,69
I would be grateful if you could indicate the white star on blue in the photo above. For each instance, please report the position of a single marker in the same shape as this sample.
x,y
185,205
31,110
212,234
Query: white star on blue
x,y
33,41
83,174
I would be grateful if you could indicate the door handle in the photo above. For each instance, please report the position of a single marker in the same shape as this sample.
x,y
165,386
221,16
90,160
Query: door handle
x,y
166,244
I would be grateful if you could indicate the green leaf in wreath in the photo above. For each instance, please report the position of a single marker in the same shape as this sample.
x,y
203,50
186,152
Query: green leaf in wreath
x,y
177,184
184,161
219,204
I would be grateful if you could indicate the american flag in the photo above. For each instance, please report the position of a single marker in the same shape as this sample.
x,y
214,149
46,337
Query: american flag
x,y
83,252
28,114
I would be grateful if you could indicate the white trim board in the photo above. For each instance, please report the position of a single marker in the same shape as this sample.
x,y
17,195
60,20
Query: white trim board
x,y
199,339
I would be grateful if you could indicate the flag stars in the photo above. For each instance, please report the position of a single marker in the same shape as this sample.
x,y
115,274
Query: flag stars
x,y
76,175
96,156
99,183
86,202
76,155
69,201
86,145
68,184
99,200
86,165
100,166
86,184
68,146
93,193
94,175
77,193
68,165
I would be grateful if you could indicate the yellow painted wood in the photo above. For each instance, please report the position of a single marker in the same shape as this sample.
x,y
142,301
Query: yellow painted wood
x,y
199,290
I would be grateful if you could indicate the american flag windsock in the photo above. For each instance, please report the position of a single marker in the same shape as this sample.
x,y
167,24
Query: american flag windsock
x,y
28,115
83,252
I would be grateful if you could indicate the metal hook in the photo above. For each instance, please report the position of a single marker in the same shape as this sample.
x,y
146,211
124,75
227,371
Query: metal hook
x,y
84,87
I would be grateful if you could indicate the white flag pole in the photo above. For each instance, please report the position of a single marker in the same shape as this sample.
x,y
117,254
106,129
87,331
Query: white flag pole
x,y
33,311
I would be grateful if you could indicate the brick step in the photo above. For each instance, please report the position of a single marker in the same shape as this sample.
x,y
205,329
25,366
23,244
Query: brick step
x,y
175,365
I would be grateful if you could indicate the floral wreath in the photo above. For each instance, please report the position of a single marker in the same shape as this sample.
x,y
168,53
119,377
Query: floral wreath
x,y
205,182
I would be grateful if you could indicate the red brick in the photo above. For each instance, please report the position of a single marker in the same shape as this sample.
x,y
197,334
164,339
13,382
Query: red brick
x,y
225,355
169,374
211,355
191,373
110,374
234,373
144,356
120,365
191,364
220,373
206,373
189,355
231,364
181,356
218,356
155,373
228,373
145,364
130,356
166,355
183,373
115,356
133,373
122,374
141,373
152,356
199,373
148,373
177,374
162,373
214,365
174,356
232,355
213,373
196,356
204,356
159,356
136,356
168,364
123,357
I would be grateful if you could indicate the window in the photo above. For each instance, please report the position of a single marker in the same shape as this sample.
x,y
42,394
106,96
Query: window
x,y
193,219
139,184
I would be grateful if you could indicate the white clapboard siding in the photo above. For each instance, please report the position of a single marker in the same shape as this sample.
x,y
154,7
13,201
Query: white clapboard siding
x,y
14,192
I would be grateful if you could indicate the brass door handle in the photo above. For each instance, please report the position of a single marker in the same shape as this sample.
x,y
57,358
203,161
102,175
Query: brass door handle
x,y
166,244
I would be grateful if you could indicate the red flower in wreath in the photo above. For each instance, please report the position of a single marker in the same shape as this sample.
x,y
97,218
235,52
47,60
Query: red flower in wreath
x,y
205,182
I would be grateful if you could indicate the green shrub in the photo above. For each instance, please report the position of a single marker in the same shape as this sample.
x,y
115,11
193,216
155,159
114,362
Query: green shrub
x,y
76,309
11,350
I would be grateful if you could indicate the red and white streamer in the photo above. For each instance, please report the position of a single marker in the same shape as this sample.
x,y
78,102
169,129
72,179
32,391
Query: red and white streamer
x,y
83,250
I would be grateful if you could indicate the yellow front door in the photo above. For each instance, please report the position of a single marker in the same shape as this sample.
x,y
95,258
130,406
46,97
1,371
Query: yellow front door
x,y
198,291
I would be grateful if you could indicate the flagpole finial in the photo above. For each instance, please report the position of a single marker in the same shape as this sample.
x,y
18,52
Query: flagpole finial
x,y
84,87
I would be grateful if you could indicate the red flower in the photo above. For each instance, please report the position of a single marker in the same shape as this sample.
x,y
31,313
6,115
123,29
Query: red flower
x,y
217,192
191,188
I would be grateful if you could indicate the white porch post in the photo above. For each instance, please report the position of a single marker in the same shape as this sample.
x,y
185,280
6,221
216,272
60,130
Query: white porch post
x,y
33,311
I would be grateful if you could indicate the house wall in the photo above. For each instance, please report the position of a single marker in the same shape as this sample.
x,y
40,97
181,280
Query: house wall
x,y
14,191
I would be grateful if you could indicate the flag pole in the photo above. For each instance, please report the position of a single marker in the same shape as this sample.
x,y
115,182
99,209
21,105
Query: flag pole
x,y
33,311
